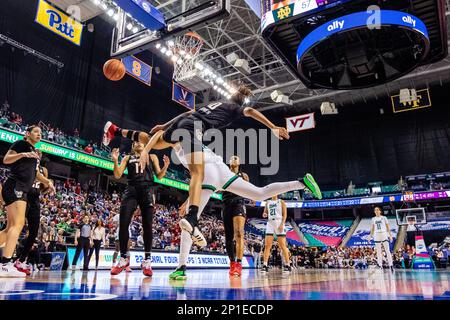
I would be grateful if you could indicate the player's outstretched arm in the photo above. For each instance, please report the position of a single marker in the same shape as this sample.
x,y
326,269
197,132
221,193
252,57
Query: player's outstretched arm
x,y
160,173
280,132
118,169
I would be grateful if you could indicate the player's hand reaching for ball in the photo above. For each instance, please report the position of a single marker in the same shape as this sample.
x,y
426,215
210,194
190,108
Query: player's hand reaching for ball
x,y
115,154
144,160
281,133
265,215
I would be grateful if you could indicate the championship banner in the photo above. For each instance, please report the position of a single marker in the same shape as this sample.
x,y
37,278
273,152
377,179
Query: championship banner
x,y
422,259
59,22
138,69
325,233
301,122
160,259
360,238
423,100
183,96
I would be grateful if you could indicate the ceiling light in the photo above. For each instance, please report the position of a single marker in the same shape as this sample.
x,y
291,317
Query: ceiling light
x,y
110,12
129,26
135,29
163,49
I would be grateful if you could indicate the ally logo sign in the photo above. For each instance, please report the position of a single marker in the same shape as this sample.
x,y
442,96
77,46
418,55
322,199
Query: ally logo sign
x,y
59,22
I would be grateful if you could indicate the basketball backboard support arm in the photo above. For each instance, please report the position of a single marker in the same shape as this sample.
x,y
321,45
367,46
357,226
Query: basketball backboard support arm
x,y
123,46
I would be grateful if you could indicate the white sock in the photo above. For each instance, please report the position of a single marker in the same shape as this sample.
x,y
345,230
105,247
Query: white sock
x,y
185,247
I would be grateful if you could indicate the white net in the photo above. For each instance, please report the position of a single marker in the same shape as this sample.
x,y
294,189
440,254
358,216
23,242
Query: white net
x,y
186,49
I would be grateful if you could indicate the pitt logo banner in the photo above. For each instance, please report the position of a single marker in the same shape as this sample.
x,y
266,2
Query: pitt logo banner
x,y
423,100
59,22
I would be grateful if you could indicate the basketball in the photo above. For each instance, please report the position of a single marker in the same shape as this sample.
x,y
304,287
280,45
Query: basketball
x,y
114,69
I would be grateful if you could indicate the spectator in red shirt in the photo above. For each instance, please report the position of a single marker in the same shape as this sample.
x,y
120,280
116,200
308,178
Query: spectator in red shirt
x,y
89,149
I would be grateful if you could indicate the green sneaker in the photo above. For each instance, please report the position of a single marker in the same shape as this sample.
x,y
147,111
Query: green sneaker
x,y
178,274
312,185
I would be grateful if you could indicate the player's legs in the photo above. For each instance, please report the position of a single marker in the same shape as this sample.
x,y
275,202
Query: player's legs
x,y
387,249
284,249
248,190
111,131
379,254
16,219
268,241
229,233
33,217
196,169
145,202
116,251
238,225
186,240
127,210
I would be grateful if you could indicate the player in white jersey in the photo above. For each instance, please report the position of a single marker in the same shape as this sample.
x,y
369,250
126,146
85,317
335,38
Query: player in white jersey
x,y
380,232
276,213
217,177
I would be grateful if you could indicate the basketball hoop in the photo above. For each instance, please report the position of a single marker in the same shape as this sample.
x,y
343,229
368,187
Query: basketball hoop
x,y
187,50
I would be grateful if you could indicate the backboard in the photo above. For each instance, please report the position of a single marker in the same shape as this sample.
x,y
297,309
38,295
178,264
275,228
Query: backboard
x,y
411,216
130,36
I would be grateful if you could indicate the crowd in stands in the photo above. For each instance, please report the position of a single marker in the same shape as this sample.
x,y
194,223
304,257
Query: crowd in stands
x,y
14,121
63,211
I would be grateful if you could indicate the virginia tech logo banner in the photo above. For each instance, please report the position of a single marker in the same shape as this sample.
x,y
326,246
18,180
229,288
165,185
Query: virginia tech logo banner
x,y
301,122
59,22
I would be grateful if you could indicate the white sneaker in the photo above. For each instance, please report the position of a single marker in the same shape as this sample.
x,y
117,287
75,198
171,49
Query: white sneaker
x,y
198,238
8,270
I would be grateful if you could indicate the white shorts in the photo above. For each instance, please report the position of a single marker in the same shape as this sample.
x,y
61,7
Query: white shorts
x,y
272,228
380,237
217,176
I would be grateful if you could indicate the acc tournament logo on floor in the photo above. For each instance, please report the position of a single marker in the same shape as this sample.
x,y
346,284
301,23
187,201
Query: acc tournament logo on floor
x,y
59,22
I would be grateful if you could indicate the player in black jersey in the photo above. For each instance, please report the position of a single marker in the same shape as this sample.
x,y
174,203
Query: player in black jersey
x,y
33,216
137,193
24,160
216,115
234,215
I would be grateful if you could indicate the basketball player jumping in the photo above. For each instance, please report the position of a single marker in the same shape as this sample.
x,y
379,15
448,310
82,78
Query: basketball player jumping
x,y
380,232
137,193
217,177
276,212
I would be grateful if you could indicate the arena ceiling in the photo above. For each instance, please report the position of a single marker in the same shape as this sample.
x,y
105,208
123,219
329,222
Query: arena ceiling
x,y
240,34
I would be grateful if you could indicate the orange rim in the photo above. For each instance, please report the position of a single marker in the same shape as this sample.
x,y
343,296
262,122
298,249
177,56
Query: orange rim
x,y
194,35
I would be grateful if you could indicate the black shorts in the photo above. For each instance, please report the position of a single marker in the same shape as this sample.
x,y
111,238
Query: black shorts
x,y
12,191
134,196
189,135
234,209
